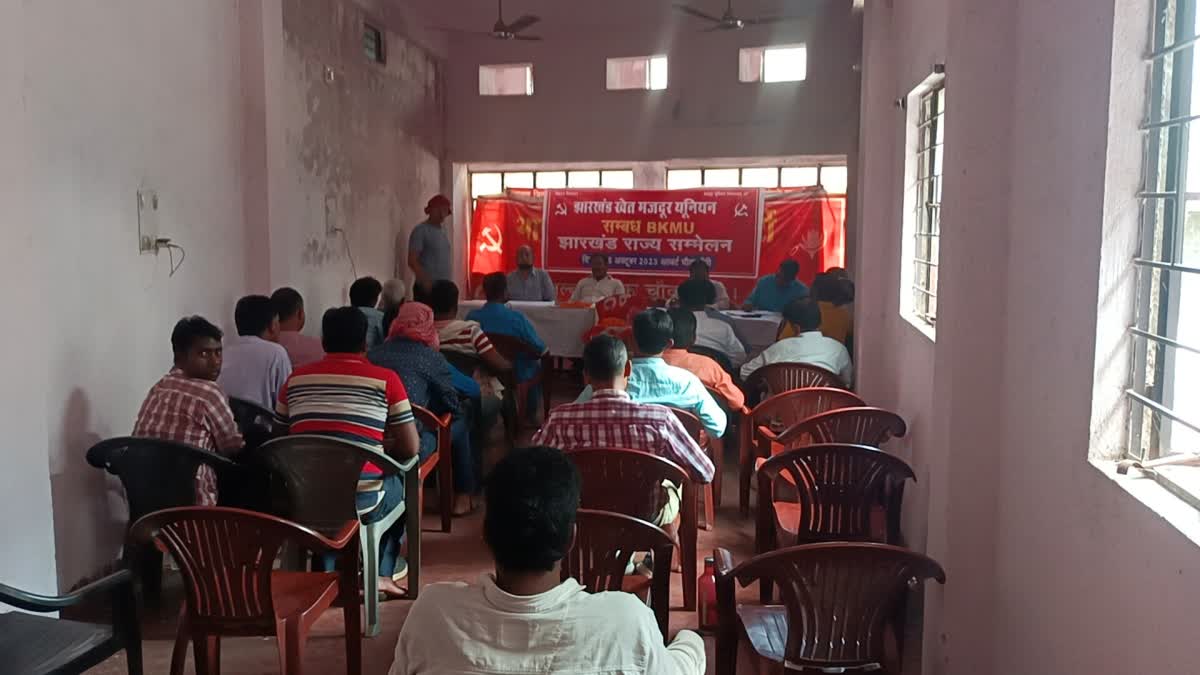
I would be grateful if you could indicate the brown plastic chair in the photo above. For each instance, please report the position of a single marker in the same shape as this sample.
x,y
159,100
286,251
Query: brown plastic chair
x,y
839,489
441,460
512,347
736,417
861,425
839,600
761,426
604,545
630,482
225,557
711,447
776,378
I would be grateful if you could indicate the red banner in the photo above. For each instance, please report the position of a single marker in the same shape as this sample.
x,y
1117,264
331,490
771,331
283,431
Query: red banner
x,y
652,232
806,226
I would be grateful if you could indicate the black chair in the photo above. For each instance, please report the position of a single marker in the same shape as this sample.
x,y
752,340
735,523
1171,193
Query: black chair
x,y
721,359
32,645
257,424
467,364
158,475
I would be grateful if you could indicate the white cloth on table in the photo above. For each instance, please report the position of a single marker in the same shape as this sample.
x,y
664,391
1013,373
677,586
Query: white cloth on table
x,y
590,290
561,328
812,348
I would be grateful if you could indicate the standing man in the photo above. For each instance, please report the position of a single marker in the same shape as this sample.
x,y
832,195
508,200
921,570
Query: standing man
x,y
528,282
429,254
599,285
773,292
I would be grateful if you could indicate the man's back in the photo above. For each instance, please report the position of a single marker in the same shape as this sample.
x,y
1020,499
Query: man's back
x,y
653,380
254,369
809,347
479,629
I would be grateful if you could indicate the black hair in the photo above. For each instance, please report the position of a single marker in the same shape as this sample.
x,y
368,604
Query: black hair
x,y
288,302
804,313
684,324
604,357
365,292
652,330
532,497
698,262
826,288
697,293
495,286
344,330
420,293
190,329
253,314
443,297
790,268
598,255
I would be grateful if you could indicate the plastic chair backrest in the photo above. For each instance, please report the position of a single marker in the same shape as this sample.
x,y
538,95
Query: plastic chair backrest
x,y
693,425
776,378
862,425
625,481
257,424
156,474
837,486
467,364
838,597
783,411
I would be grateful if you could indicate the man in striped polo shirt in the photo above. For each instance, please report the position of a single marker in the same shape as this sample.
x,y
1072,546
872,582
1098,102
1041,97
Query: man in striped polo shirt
x,y
344,396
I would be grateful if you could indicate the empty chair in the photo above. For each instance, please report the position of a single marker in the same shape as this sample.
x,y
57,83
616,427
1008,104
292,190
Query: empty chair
x,y
772,416
860,425
631,482
712,447
839,602
776,378
226,556
605,543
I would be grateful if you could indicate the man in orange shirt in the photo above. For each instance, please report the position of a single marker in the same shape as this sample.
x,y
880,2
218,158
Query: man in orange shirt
x,y
710,373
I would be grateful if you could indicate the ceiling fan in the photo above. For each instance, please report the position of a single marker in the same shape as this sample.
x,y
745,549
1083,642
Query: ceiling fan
x,y
505,31
729,20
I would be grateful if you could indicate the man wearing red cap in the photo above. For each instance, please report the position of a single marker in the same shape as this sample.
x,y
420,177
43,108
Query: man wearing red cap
x,y
429,253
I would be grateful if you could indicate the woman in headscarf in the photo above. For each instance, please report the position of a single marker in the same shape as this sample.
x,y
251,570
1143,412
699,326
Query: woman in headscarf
x,y
411,350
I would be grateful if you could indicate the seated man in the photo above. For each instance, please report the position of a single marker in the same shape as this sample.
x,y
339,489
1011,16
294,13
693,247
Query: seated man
x,y
698,271
773,292
711,374
187,406
256,365
809,345
343,396
599,285
465,337
654,381
528,282
411,352
496,317
525,618
836,320
364,294
610,418
390,300
694,296
302,349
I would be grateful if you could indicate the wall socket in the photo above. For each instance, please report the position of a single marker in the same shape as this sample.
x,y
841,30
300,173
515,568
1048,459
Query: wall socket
x,y
147,201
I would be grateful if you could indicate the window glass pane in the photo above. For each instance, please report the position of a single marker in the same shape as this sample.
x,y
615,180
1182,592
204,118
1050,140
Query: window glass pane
x,y
617,179
786,64
514,79
750,64
630,73
722,178
798,176
658,72
486,184
551,179
760,176
583,179
682,179
519,179
833,179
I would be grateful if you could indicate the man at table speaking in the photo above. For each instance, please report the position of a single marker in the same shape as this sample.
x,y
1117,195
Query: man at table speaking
x,y
773,292
599,285
528,282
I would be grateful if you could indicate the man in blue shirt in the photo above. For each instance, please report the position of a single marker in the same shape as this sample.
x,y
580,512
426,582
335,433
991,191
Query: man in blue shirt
x,y
653,380
496,317
773,292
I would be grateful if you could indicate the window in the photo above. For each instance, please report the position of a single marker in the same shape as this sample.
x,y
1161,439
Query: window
x,y
1165,387
786,63
922,224
491,183
511,79
638,72
373,44
832,178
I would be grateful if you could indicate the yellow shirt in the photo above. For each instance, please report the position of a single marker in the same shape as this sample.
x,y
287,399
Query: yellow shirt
x,y
836,323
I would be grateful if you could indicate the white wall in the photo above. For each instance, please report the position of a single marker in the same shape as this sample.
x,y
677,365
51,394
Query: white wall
x,y
1053,567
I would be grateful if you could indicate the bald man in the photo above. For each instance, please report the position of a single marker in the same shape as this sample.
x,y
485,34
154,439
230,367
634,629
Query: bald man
x,y
528,282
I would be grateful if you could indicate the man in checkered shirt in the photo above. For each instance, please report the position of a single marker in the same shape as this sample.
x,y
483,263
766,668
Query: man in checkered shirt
x,y
187,406
611,419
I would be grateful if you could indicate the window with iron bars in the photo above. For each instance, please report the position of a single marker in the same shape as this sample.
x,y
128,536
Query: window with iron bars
x,y
1164,388
927,217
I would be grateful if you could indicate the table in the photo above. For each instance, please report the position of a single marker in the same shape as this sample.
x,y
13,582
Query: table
x,y
758,328
561,328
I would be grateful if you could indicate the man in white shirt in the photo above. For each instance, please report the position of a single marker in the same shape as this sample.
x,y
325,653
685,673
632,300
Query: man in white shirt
x,y
695,296
599,285
523,619
809,345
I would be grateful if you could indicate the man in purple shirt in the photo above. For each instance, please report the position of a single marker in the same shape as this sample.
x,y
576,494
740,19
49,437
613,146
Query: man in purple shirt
x,y
301,349
255,365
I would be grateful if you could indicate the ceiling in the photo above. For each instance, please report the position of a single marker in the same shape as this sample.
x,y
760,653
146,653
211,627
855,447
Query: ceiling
x,y
575,15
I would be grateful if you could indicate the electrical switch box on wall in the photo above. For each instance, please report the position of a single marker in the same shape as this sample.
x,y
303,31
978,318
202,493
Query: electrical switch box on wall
x,y
147,201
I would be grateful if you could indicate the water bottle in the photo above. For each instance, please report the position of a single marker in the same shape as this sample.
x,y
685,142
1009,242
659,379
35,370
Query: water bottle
x,y
706,601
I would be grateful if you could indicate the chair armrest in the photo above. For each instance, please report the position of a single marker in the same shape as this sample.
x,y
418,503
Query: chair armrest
x,y
314,541
32,602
